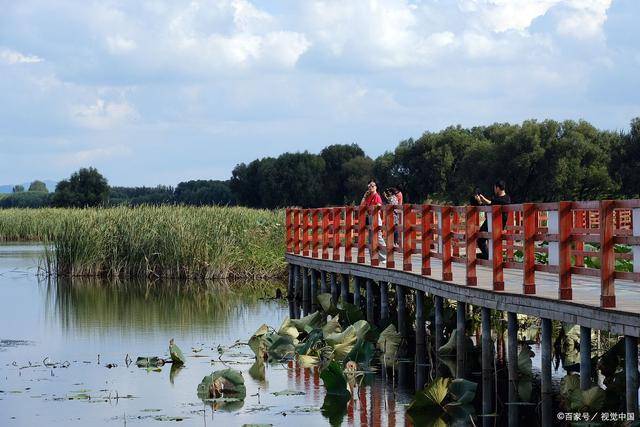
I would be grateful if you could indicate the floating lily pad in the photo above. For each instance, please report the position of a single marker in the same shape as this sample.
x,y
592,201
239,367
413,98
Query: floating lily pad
x,y
149,362
289,393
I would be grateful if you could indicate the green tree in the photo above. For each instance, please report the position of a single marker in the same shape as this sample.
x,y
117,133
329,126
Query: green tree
x,y
38,186
334,178
18,189
204,192
85,188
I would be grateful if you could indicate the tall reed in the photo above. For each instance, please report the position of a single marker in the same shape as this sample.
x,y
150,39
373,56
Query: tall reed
x,y
152,241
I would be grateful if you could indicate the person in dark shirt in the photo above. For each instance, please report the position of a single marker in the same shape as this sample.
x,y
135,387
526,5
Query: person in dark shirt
x,y
500,197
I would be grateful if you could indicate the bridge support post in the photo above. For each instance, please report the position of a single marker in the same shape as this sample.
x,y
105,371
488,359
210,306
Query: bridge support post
x,y
323,282
545,380
512,364
631,373
384,303
401,300
344,288
314,289
333,285
357,284
461,351
585,358
438,323
290,283
487,368
370,301
297,282
420,359
306,291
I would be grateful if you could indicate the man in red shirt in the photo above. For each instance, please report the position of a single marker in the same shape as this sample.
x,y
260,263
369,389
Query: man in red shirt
x,y
372,198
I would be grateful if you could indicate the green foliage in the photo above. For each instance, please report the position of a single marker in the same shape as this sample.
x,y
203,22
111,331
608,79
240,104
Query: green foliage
x,y
85,188
25,199
204,193
176,354
443,400
38,186
18,189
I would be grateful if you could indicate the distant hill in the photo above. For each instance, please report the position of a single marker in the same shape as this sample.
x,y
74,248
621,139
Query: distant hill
x,y
51,186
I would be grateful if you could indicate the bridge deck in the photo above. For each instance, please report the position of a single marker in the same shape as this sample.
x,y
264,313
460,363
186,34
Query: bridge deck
x,y
584,308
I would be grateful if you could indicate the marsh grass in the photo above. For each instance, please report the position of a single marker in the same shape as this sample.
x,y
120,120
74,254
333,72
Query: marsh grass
x,y
155,242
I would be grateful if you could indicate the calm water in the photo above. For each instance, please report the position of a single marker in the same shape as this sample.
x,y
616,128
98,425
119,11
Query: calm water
x,y
83,327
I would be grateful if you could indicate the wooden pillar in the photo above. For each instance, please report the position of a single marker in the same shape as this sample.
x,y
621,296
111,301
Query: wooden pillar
x,y
388,234
326,218
496,244
375,229
427,239
438,323
420,319
344,288
337,214
455,224
401,300
357,296
306,290
565,225
471,240
384,303
631,374
362,233
512,365
290,283
579,222
370,302
487,368
323,282
461,351
333,284
348,234
315,235
297,292
545,379
408,235
314,289
445,235
529,240
289,230
305,232
585,358
607,256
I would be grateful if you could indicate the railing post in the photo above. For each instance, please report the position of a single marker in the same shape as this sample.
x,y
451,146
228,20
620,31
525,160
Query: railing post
x,y
427,238
471,241
348,233
607,256
445,236
529,226
375,227
408,221
496,244
289,232
296,231
565,225
579,222
390,228
455,248
510,222
336,233
325,233
314,232
362,232
305,232
635,222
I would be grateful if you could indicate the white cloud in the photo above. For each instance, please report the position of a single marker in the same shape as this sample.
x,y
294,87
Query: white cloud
x,y
103,114
13,57
90,156
119,44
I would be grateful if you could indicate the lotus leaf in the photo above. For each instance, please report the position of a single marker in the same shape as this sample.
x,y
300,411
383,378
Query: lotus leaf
x,y
308,323
450,347
327,304
314,337
223,384
432,396
176,354
332,326
334,380
389,343
149,362
308,361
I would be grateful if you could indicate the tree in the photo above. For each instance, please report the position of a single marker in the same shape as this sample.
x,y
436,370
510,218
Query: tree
x,y
334,178
85,188
18,189
204,192
38,186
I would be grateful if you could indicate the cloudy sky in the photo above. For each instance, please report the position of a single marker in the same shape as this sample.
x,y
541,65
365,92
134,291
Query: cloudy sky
x,y
156,92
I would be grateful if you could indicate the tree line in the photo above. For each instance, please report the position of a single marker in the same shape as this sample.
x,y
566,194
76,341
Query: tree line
x,y
540,162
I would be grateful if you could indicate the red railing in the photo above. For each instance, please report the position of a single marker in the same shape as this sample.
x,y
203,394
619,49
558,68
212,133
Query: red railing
x,y
547,237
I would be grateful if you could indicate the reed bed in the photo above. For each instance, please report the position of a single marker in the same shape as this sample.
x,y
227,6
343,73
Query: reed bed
x,y
154,241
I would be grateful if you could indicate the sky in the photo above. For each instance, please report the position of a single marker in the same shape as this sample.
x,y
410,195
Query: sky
x,y
158,92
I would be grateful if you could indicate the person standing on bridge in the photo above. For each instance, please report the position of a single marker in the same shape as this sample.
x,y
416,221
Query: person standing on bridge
x,y
500,197
370,199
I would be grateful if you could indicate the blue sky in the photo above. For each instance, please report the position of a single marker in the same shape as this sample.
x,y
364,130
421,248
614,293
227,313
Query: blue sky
x,y
156,92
